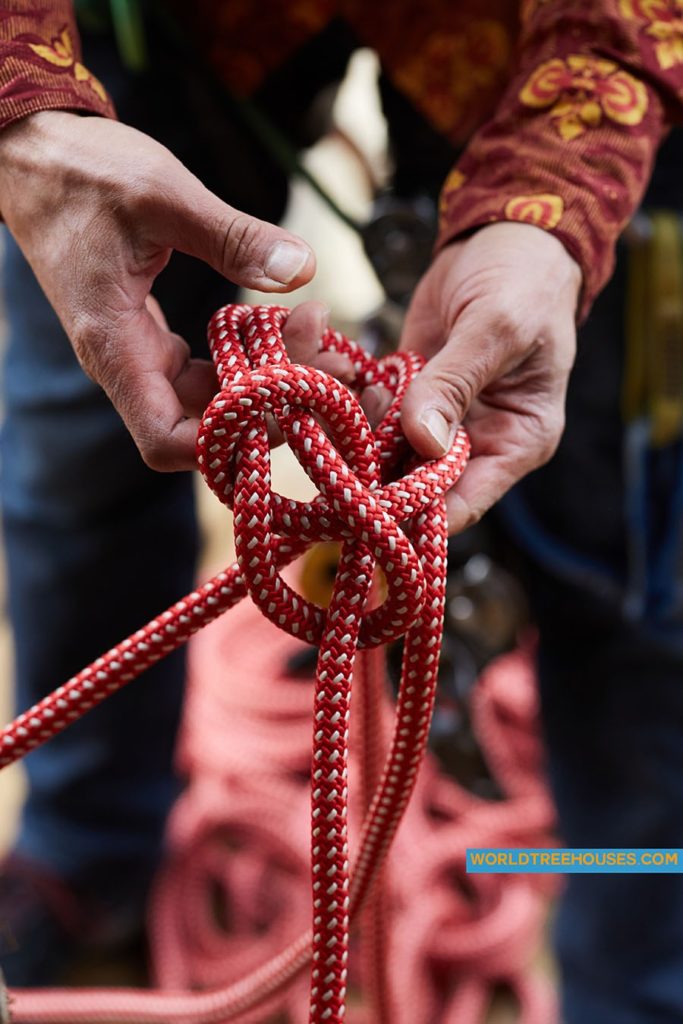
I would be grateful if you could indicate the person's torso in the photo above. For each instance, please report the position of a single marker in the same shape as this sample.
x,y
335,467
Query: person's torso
x,y
451,60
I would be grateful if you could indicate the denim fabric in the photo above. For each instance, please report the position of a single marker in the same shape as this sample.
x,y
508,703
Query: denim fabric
x,y
96,544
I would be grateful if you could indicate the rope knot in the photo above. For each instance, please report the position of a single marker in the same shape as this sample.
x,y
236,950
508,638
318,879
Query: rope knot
x,y
357,503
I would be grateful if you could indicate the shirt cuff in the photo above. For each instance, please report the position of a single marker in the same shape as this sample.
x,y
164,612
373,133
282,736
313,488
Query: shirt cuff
x,y
39,74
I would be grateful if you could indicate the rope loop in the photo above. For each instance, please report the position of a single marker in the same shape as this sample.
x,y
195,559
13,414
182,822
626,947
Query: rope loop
x,y
326,427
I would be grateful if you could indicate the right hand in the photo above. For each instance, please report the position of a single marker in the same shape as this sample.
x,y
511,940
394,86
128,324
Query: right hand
x,y
97,209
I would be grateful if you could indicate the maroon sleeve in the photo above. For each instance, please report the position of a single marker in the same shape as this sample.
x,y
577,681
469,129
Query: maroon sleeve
x,y
40,67
571,146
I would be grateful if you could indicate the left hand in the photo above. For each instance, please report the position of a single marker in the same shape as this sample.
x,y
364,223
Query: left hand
x,y
494,315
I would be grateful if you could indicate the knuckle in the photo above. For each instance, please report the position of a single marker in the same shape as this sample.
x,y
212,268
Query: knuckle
x,y
146,196
504,323
240,239
151,180
473,517
462,515
89,341
136,200
457,388
155,168
549,437
155,451
506,328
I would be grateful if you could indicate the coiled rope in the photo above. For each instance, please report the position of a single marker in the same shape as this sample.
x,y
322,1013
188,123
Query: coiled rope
x,y
436,944
398,524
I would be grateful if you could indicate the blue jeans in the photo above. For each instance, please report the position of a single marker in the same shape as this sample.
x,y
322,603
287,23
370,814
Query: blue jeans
x,y
96,544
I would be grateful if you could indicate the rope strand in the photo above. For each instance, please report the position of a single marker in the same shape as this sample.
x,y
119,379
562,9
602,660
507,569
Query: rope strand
x,y
397,524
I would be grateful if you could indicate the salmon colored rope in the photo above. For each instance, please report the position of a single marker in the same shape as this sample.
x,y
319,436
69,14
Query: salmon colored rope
x,y
386,510
435,943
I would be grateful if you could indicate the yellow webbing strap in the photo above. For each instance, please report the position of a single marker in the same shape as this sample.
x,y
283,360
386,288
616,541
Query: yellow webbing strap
x,y
653,378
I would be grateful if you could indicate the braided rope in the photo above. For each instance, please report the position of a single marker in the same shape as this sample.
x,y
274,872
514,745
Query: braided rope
x,y
436,942
398,525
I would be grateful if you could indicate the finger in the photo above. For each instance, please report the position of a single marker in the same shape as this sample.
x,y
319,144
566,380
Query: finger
x,y
157,312
485,480
375,402
506,446
437,400
303,331
195,386
248,251
137,366
275,435
337,365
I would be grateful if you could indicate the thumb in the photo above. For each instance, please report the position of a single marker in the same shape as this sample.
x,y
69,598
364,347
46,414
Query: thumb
x,y
248,251
438,399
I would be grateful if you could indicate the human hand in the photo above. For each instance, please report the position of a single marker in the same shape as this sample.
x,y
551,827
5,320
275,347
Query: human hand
x,y
97,209
494,315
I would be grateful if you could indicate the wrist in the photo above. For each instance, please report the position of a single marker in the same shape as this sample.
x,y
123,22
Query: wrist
x,y
33,129
526,247
37,145
549,252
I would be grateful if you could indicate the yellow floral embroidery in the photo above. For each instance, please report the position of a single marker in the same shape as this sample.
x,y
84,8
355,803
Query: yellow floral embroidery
x,y
544,210
60,52
454,181
664,20
580,90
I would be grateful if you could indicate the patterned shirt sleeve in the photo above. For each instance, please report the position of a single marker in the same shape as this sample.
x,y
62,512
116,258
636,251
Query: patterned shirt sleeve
x,y
597,85
40,67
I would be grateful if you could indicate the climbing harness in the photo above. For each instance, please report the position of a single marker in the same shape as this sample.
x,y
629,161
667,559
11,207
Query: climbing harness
x,y
386,509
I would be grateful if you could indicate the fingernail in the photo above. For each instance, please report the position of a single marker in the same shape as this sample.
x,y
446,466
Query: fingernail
x,y
436,424
375,400
285,262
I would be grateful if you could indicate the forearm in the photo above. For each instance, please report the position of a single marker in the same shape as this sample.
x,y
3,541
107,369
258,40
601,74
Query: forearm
x,y
572,143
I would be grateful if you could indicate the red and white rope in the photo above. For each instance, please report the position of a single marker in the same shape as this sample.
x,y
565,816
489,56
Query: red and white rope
x,y
435,943
398,524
